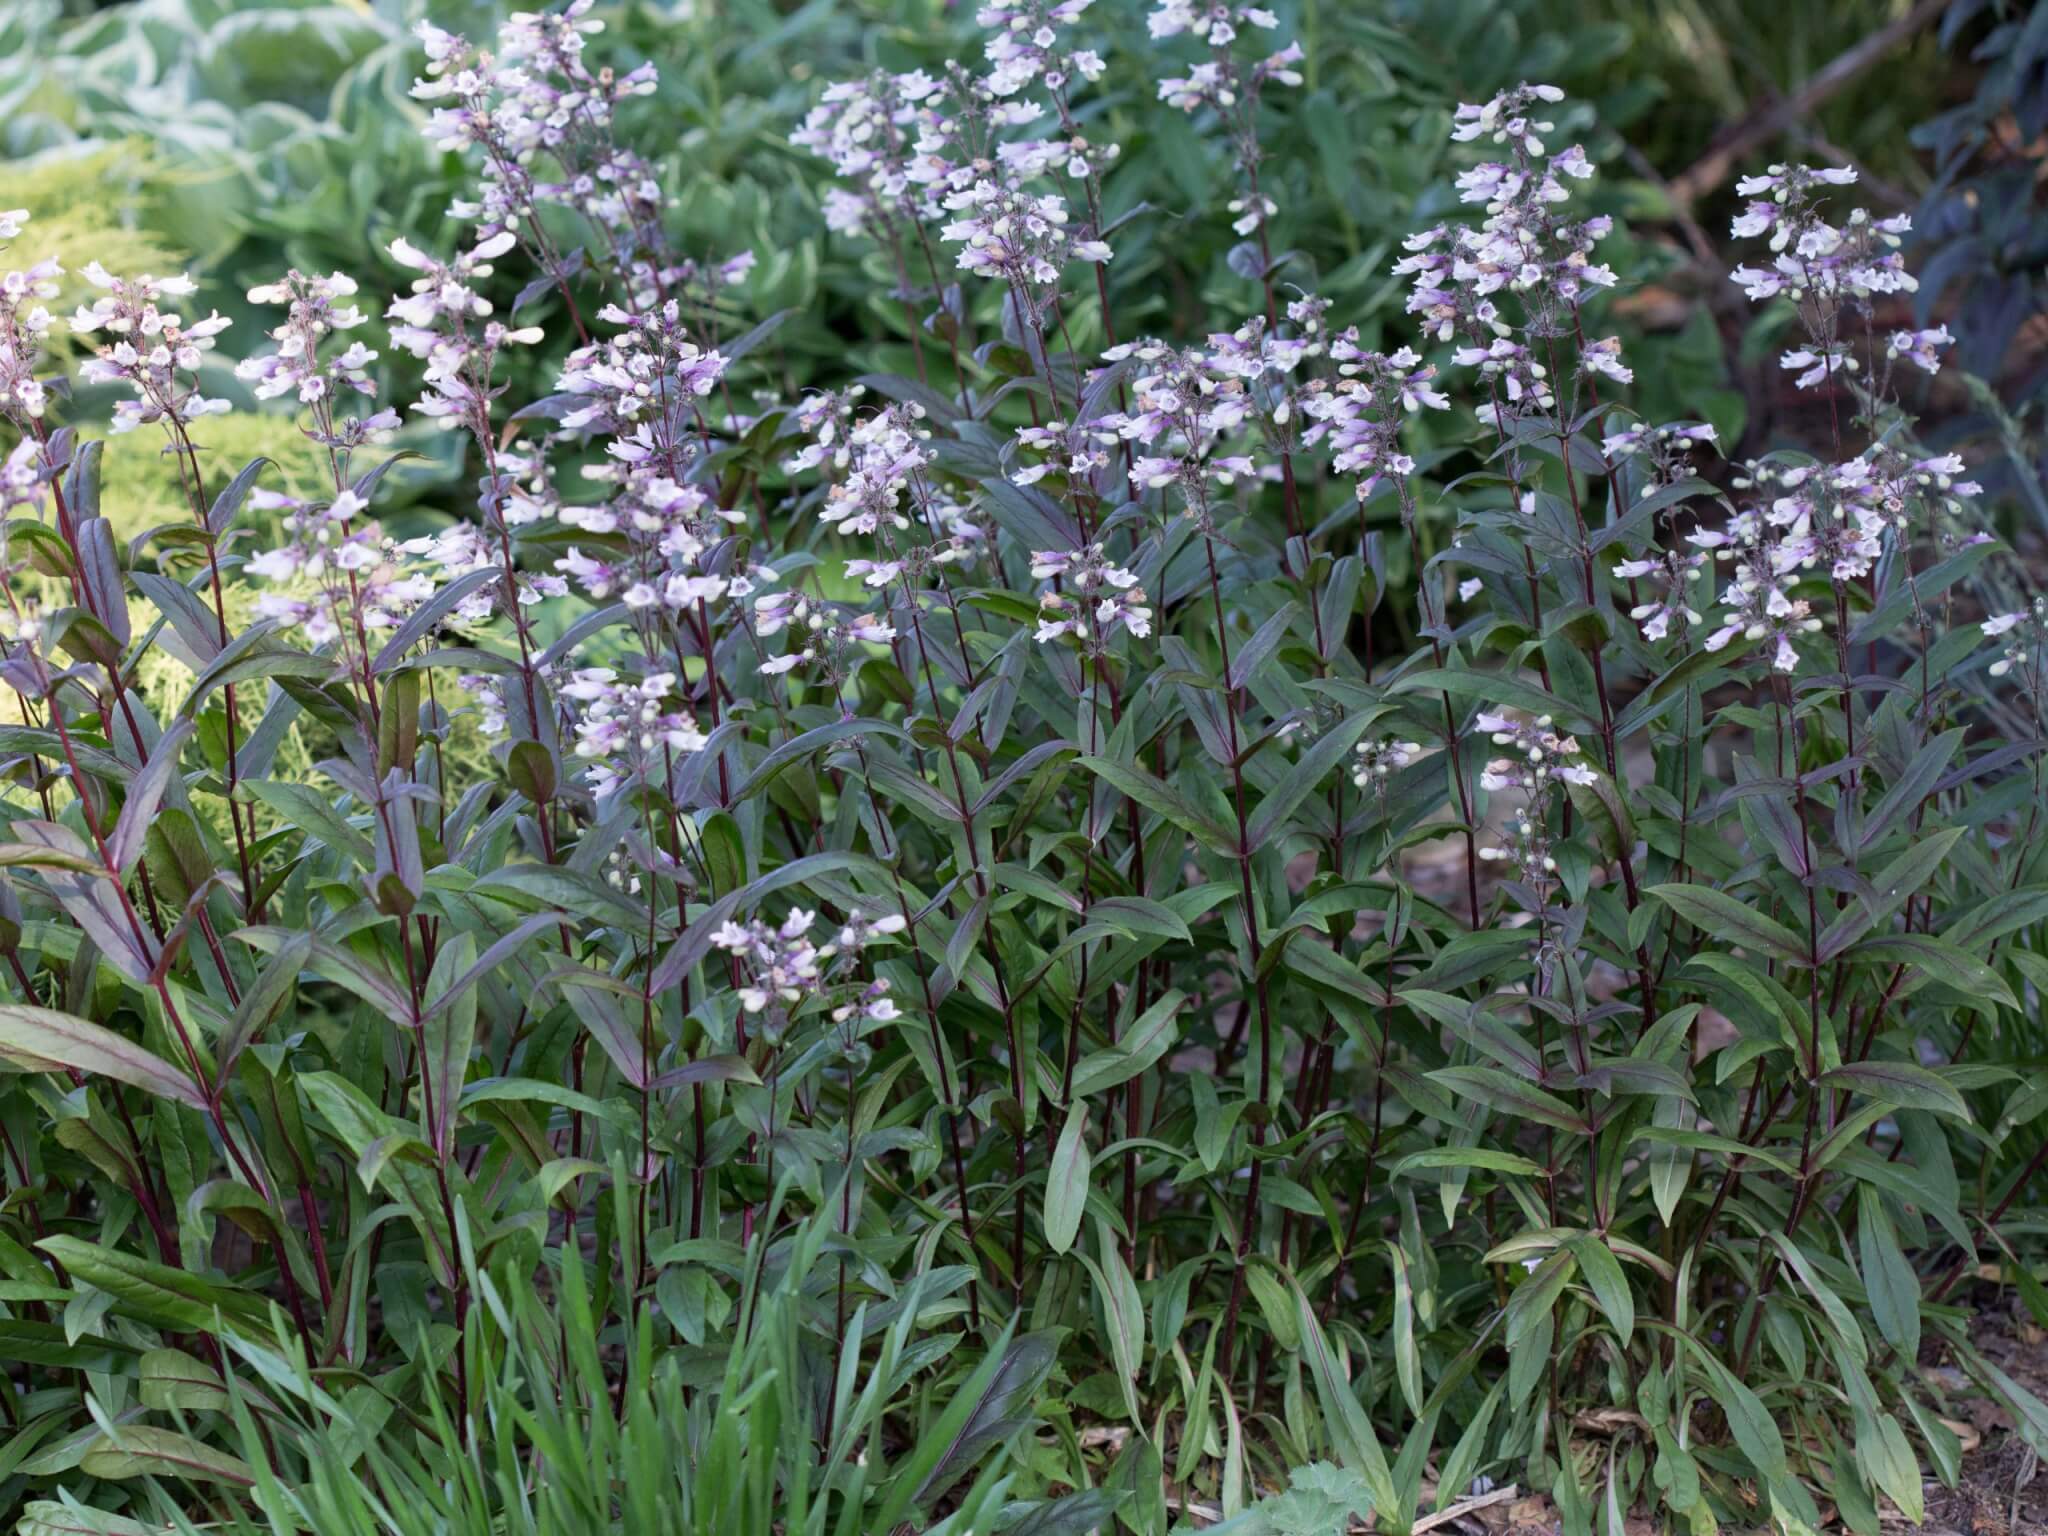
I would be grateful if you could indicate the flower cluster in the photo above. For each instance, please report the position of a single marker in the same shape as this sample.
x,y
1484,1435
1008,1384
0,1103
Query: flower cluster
x,y
319,306
1810,256
2025,633
1667,450
532,104
1672,573
1539,762
821,634
626,730
1184,406
25,321
1758,597
1093,599
1356,412
1020,237
446,324
336,570
1525,247
151,349
783,965
883,135
1542,757
1226,82
1377,760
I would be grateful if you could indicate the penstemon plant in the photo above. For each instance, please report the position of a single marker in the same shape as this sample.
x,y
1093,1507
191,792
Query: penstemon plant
x,y
915,951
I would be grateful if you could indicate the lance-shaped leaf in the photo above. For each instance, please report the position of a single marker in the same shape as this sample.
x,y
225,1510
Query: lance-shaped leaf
x,y
345,967
601,1002
1300,781
1512,1096
156,1293
92,900
990,1407
695,943
1150,1036
308,812
229,502
145,793
46,1517
447,1036
1893,1286
1930,958
192,622
256,652
421,622
1344,1420
276,984
1156,795
1728,919
145,1451
1900,1083
26,740
1066,1182
44,1040
501,950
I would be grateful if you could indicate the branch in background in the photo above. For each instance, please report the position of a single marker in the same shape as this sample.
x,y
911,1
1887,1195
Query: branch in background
x,y
1772,119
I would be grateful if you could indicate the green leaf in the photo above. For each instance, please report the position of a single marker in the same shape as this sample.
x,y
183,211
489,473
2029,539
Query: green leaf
x,y
1889,1463
1848,1335
1350,1430
1407,1361
1492,1159
1510,1095
308,812
447,1037
1722,917
44,1040
983,1413
1140,915
1156,795
1603,1275
1748,1420
1900,1083
1529,1308
172,1379
1123,1314
155,1293
143,1451
1299,782
1150,1037
1893,1286
1898,882
1942,962
45,1517
1066,1182
1912,786
1494,688
275,985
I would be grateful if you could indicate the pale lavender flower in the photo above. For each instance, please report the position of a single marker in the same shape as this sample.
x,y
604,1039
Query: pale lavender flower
x,y
1920,348
626,729
1672,572
150,348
